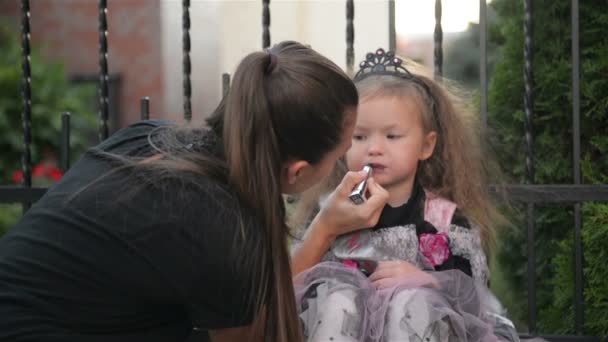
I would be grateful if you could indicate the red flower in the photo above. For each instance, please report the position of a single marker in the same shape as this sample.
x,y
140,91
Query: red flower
x,y
435,247
39,170
17,177
54,173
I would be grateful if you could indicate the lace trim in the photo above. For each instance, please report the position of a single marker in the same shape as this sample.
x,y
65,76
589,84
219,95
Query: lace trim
x,y
466,242
401,243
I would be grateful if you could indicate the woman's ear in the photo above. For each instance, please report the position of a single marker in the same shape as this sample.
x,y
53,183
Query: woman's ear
x,y
430,140
294,170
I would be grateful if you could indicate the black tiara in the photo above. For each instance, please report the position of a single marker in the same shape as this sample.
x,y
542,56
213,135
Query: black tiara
x,y
382,63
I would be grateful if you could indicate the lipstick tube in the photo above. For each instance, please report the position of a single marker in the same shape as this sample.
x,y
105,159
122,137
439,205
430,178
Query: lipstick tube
x,y
358,194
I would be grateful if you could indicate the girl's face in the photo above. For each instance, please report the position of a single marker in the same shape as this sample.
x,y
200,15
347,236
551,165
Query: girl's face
x,y
389,135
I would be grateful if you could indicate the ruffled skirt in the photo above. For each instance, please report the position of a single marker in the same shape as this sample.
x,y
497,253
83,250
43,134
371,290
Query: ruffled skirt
x,y
337,303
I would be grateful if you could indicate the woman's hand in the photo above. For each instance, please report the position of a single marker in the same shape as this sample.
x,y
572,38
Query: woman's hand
x,y
339,215
391,273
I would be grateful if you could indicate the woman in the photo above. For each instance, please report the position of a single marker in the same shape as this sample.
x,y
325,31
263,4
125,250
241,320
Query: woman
x,y
161,229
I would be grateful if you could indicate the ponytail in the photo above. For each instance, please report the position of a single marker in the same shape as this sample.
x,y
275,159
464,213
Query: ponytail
x,y
277,98
254,169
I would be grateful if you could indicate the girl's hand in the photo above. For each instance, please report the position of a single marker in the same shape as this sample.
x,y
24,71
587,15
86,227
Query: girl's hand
x,y
339,215
391,273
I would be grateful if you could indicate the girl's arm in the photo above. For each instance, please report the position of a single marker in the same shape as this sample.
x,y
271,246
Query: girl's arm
x,y
338,216
391,273
315,244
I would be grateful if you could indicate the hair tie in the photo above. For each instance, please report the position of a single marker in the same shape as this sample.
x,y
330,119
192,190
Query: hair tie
x,y
272,62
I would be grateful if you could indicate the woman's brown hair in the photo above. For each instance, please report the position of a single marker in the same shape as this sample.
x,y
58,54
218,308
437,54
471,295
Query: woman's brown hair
x,y
287,103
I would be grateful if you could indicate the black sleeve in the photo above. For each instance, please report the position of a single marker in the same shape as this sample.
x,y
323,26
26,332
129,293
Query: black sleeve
x,y
459,219
193,232
206,254
456,262
196,234
100,252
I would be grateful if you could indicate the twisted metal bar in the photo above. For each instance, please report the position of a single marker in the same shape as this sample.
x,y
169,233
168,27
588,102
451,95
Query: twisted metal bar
x,y
579,301
392,35
103,70
529,90
438,41
144,108
186,59
350,36
265,23
26,87
65,142
528,109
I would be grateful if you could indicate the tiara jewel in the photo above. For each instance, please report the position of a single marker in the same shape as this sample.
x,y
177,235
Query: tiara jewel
x,y
381,63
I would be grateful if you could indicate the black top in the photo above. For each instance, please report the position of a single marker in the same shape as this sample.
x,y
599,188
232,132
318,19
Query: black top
x,y
126,259
412,212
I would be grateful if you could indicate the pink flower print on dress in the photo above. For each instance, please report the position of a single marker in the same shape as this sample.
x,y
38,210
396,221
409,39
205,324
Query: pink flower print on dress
x,y
353,242
350,264
435,247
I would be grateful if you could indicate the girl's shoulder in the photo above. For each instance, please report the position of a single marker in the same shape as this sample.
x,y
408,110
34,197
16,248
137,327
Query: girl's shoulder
x,y
442,213
464,237
438,211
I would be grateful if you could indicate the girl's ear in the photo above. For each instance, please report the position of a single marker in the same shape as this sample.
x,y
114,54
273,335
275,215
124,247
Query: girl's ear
x,y
430,140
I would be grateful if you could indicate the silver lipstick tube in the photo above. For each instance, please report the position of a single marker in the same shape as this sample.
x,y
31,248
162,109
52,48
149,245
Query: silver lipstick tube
x,y
358,194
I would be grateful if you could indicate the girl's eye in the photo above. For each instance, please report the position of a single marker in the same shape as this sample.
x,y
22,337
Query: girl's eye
x,y
358,137
393,136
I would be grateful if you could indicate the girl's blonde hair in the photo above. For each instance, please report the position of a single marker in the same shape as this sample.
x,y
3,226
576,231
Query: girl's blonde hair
x,y
455,170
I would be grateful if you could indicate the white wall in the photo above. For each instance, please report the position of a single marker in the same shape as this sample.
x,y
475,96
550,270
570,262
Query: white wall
x,y
223,32
205,18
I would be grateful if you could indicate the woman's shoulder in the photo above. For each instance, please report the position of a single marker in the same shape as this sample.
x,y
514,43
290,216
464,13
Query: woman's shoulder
x,y
139,131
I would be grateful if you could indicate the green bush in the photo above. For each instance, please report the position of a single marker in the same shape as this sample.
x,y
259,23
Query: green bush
x,y
52,94
552,124
9,214
595,272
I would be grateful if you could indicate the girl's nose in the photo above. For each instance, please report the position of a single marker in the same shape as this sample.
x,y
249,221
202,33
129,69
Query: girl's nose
x,y
375,147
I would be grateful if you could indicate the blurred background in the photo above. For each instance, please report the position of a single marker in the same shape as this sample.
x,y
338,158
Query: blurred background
x,y
145,59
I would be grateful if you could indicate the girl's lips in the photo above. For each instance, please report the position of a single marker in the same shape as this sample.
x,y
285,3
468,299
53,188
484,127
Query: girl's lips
x,y
377,167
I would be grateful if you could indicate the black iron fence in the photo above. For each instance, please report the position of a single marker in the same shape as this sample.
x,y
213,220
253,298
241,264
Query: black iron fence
x,y
530,194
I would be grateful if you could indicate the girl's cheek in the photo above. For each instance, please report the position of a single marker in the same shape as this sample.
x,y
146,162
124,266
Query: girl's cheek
x,y
351,159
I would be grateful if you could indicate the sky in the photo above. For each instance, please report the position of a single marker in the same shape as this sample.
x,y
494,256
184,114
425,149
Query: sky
x,y
413,17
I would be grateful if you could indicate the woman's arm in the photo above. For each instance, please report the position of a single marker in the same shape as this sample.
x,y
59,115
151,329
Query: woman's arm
x,y
232,334
338,216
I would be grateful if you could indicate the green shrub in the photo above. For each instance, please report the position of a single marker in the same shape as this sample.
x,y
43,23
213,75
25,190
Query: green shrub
x,y
52,94
594,236
552,123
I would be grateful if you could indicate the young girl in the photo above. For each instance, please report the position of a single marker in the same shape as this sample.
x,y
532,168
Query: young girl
x,y
375,283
